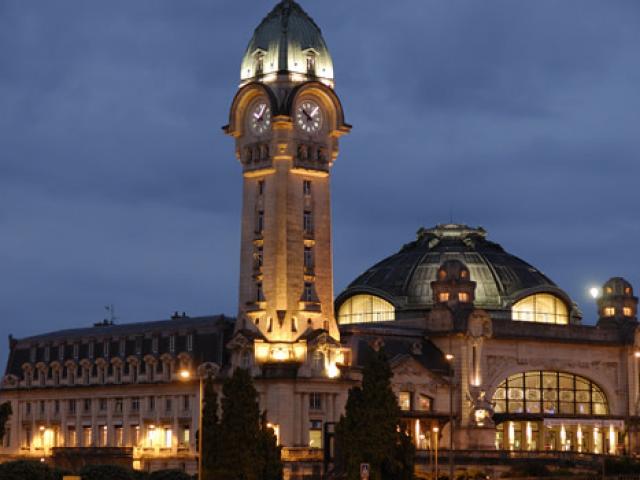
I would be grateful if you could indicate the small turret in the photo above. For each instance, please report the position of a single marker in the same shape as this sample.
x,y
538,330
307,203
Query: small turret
x,y
453,286
617,305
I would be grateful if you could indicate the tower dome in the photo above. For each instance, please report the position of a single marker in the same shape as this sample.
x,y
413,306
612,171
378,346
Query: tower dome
x,y
287,43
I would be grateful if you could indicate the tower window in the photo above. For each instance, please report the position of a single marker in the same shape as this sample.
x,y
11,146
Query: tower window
x,y
315,401
308,222
308,258
404,401
443,297
627,311
259,257
259,64
261,187
260,222
259,292
308,292
306,187
463,297
609,311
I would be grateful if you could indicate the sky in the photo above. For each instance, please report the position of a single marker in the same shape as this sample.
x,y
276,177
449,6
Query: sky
x,y
117,185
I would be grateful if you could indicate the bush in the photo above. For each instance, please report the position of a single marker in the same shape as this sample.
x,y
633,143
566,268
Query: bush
x,y
107,472
169,475
529,469
621,466
28,470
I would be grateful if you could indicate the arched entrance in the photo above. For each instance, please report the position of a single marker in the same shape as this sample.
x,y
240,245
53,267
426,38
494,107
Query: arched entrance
x,y
549,410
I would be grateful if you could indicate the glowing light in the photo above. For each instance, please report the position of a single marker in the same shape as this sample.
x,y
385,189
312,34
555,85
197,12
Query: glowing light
x,y
594,292
449,357
436,429
480,416
637,354
279,354
333,371
185,374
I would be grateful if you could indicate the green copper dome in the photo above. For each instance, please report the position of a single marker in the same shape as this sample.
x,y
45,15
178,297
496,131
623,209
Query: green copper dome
x,y
287,41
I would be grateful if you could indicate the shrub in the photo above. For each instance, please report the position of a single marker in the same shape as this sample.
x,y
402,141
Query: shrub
x,y
28,470
169,475
107,472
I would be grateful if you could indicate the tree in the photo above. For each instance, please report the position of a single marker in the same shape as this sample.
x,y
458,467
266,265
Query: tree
x,y
28,470
107,472
370,430
169,475
210,430
269,451
5,413
239,430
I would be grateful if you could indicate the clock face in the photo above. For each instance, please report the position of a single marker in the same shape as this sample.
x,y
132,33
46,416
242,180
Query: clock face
x,y
260,118
309,116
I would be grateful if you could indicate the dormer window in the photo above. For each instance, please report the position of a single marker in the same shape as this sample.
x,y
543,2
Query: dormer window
x,y
627,311
609,311
463,297
259,63
311,64
443,297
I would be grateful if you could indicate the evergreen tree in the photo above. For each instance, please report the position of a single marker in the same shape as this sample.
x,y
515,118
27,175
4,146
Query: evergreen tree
x,y
270,452
240,432
210,431
370,431
5,413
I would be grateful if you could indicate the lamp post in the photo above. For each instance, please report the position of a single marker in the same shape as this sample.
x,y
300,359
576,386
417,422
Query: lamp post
x,y
450,357
186,375
435,431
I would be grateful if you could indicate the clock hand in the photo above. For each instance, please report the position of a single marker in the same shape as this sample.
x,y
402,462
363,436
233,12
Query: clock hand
x,y
306,114
313,114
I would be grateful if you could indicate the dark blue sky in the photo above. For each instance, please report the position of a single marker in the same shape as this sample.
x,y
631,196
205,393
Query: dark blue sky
x,y
118,186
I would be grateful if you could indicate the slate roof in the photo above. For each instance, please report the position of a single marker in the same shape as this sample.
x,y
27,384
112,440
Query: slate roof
x,y
405,278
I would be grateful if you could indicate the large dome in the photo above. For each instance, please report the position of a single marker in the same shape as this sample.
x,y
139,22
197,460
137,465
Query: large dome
x,y
287,41
404,279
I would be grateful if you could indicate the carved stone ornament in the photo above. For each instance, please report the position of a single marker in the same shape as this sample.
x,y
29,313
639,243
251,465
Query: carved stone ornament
x,y
482,409
480,325
376,344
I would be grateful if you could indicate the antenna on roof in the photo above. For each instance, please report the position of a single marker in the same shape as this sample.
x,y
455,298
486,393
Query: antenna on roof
x,y
111,314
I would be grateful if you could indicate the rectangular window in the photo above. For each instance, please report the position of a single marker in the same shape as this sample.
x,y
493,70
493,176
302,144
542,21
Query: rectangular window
x,y
261,187
308,258
443,297
72,437
60,353
315,401
42,407
104,434
33,354
72,406
168,437
259,257
56,406
154,345
103,404
190,342
91,349
123,347
308,292
463,297
119,436
135,404
105,348
315,434
27,408
118,406
306,187
627,311
260,222
47,353
138,346
152,404
259,292
87,435
172,343
86,405
609,311
404,400
426,403
135,435
307,222
76,351
168,405
186,436
185,402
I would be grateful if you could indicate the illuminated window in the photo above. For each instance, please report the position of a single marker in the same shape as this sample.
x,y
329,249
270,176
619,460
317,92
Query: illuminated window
x,y
404,400
119,436
72,437
366,309
549,393
426,403
168,437
135,435
186,436
463,297
627,311
104,432
443,297
87,436
306,187
609,311
541,308
315,434
627,291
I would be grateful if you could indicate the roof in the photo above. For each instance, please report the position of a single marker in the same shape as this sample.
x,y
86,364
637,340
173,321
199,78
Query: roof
x,y
404,279
284,39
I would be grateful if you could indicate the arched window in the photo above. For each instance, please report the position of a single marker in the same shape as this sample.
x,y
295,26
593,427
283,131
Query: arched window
x,y
549,393
541,308
365,309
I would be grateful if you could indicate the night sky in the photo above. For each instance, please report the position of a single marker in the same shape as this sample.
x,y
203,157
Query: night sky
x,y
118,186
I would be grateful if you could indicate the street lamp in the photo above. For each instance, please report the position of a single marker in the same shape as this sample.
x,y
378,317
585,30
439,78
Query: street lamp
x,y
435,431
186,375
450,357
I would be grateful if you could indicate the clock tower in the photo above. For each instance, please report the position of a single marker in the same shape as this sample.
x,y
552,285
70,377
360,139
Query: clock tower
x,y
286,120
